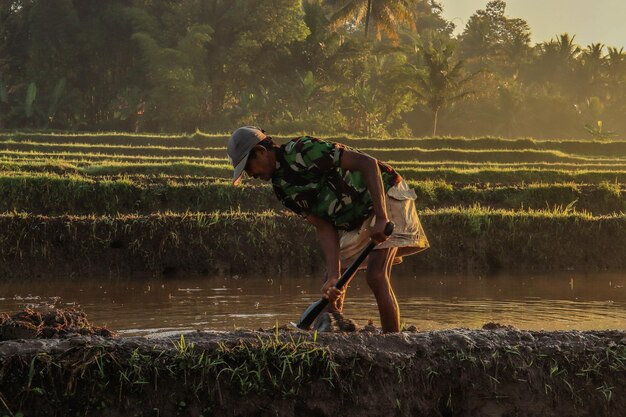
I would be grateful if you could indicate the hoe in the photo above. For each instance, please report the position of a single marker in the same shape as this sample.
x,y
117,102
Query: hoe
x,y
316,308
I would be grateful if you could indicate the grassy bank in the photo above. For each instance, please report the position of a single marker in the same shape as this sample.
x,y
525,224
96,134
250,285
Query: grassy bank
x,y
70,194
482,174
383,153
281,373
513,175
220,242
114,188
90,158
613,148
268,243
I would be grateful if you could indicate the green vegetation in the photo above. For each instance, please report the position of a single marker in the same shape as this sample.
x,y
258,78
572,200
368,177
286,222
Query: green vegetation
x,y
235,242
513,176
51,194
99,194
188,65
267,366
588,148
443,372
73,204
458,161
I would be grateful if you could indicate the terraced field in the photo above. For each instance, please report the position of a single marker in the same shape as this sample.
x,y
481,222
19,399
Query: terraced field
x,y
164,203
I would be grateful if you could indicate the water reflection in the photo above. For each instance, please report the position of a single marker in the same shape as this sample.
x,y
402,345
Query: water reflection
x,y
140,306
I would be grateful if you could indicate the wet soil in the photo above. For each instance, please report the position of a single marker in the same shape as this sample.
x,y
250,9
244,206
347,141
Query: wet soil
x,y
46,324
495,371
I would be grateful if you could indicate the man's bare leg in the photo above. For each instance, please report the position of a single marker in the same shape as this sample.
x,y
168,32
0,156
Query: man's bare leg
x,y
393,293
378,279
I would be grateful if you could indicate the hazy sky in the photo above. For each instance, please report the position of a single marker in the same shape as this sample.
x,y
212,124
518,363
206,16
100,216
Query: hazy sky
x,y
591,21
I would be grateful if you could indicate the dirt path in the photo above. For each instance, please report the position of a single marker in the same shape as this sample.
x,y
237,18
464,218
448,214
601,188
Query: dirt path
x,y
496,371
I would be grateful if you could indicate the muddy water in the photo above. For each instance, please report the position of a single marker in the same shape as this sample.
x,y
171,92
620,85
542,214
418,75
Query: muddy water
x,y
141,306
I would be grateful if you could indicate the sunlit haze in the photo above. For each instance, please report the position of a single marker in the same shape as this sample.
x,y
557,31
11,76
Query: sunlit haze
x,y
598,21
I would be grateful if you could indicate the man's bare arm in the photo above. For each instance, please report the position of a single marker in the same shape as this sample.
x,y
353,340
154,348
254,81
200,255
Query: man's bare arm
x,y
329,241
368,167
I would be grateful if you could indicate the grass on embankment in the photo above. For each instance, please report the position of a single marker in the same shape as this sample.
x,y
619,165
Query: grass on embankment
x,y
54,195
120,164
480,155
614,148
120,138
94,158
513,175
485,174
128,150
382,153
119,168
267,243
438,373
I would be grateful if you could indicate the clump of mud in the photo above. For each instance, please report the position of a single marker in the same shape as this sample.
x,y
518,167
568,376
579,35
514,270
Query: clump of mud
x,y
48,324
497,326
334,322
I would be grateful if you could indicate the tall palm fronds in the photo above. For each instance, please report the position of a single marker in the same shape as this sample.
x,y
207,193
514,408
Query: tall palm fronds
x,y
386,15
616,81
560,51
616,62
592,62
556,64
566,48
594,52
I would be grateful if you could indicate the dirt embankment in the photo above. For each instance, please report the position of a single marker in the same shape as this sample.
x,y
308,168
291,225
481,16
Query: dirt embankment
x,y
496,371
267,243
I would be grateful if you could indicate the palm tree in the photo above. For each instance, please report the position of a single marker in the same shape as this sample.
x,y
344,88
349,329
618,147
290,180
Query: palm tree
x,y
559,51
557,63
379,99
616,81
616,62
567,49
386,14
441,81
592,62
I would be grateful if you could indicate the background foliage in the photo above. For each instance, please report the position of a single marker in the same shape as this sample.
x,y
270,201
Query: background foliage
x,y
291,65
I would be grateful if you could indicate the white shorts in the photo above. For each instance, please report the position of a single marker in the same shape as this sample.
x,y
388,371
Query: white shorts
x,y
408,235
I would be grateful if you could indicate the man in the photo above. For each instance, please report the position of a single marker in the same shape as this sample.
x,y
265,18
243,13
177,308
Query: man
x,y
348,196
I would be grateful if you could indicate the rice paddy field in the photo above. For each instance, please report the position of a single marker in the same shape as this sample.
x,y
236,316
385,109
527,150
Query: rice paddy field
x,y
147,234
157,203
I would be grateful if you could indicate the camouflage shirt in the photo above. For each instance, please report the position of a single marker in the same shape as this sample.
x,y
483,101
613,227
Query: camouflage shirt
x,y
309,180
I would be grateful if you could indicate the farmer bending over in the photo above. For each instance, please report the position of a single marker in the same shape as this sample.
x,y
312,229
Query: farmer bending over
x,y
348,196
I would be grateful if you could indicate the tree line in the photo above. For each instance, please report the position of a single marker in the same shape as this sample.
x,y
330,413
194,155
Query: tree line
x,y
374,68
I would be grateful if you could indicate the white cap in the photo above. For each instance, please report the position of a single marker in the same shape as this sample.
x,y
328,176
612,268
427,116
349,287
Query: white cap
x,y
241,142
